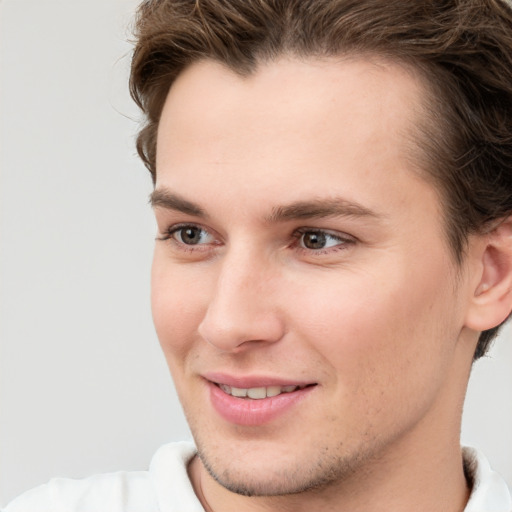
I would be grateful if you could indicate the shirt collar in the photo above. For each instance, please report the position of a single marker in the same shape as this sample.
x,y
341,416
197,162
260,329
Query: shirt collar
x,y
489,491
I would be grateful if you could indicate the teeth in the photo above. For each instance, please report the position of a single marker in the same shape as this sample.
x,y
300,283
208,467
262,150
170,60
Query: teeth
x,y
273,390
257,393
239,392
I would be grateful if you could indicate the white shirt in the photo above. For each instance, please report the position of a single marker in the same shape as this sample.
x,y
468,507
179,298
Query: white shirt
x,y
167,488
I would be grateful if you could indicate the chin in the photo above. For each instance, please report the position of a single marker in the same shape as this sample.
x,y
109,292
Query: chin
x,y
265,478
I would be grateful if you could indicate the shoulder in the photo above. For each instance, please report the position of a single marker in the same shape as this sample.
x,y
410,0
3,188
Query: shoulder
x,y
116,492
123,491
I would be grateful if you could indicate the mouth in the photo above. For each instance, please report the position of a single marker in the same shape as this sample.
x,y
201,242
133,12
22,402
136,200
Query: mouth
x,y
255,401
259,393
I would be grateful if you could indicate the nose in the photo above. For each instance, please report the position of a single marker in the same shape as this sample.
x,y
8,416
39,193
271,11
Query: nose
x,y
243,310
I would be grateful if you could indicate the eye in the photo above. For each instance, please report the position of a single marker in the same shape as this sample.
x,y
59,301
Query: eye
x,y
318,239
190,235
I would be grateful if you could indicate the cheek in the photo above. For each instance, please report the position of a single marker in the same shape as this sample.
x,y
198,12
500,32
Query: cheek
x,y
376,331
375,337
177,307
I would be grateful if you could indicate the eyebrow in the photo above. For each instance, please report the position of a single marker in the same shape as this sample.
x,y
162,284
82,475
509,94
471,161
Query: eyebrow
x,y
162,198
316,208
320,208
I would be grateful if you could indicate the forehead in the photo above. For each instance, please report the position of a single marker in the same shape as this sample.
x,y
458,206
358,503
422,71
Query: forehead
x,y
298,125
374,97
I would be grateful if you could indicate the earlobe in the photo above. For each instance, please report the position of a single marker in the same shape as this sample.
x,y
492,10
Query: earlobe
x,y
491,301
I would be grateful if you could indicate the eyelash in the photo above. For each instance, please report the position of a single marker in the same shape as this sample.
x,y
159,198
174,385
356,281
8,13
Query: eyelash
x,y
172,230
343,240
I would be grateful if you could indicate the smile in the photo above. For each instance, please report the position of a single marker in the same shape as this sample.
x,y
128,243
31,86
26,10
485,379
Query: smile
x,y
251,402
258,393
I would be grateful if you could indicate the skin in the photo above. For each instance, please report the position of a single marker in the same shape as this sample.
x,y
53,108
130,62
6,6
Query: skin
x,y
381,319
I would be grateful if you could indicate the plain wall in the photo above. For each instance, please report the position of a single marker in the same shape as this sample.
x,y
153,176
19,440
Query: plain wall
x,y
83,385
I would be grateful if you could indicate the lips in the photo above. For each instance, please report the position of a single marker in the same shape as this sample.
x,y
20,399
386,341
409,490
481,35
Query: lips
x,y
254,401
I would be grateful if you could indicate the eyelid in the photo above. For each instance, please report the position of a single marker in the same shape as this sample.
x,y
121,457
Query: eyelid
x,y
174,228
344,237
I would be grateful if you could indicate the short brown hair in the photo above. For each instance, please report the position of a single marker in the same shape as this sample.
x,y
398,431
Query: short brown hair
x,y
462,47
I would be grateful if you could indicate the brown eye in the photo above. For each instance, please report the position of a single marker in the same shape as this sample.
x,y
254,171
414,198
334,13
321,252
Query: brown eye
x,y
314,240
318,239
191,235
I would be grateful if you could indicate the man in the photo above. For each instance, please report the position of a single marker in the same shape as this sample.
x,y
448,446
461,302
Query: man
x,y
333,194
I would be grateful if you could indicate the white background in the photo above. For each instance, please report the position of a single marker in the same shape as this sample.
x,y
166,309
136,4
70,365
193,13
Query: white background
x,y
83,386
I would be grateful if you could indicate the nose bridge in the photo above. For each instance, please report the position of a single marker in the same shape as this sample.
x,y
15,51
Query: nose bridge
x,y
242,305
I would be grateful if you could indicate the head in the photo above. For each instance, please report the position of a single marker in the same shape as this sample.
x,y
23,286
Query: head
x,y
326,172
462,49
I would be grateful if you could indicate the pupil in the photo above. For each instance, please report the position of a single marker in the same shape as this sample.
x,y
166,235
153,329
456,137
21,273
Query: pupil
x,y
314,240
191,235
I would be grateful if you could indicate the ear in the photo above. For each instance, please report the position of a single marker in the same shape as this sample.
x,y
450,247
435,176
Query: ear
x,y
491,300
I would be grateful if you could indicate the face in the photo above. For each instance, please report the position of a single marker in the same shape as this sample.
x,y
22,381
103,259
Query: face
x,y
302,289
